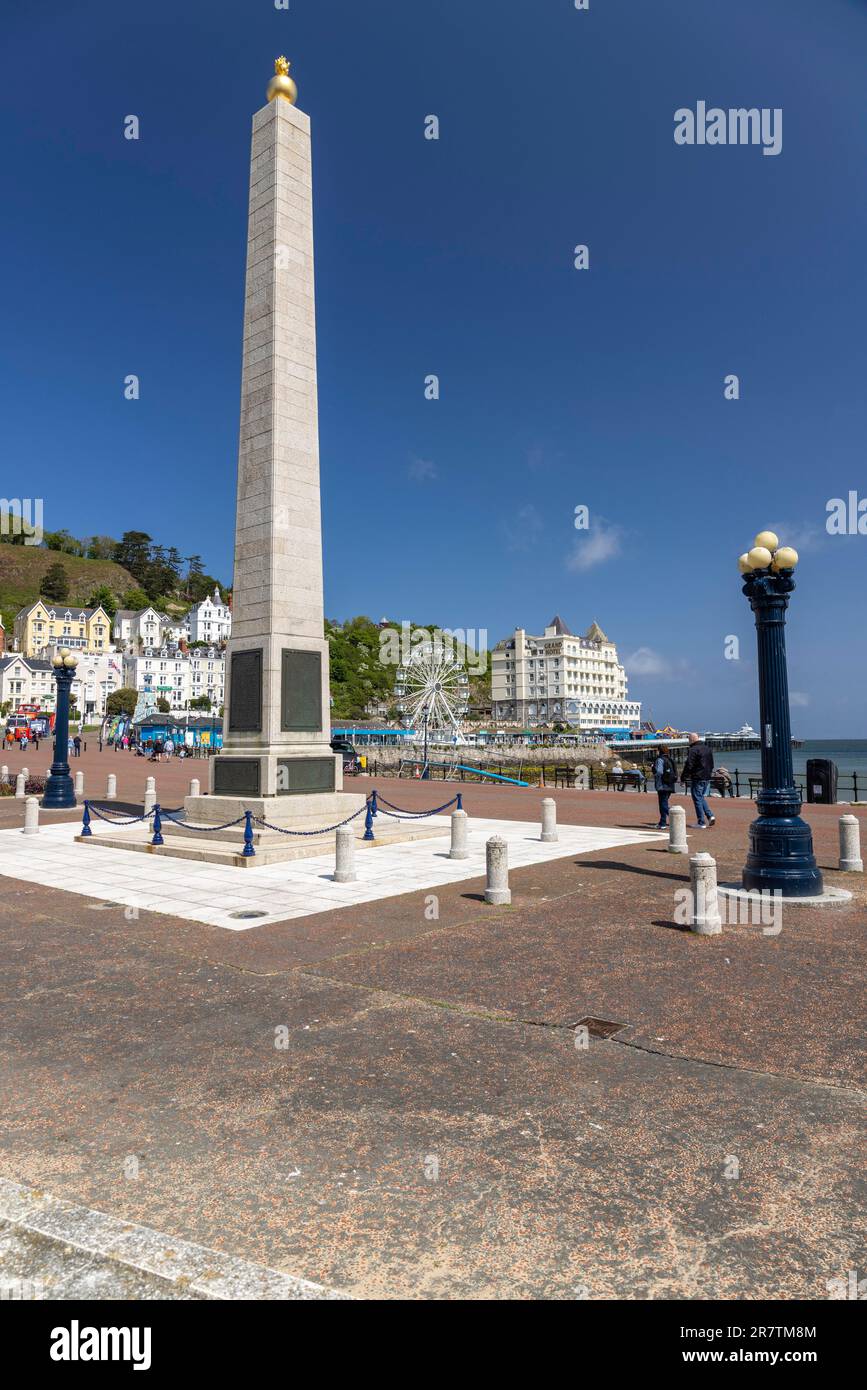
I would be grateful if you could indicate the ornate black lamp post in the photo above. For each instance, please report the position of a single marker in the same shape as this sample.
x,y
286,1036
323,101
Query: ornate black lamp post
x,y
59,790
781,855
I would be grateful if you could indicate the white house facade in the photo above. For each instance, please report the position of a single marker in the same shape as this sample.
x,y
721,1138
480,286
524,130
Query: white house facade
x,y
26,680
134,627
211,620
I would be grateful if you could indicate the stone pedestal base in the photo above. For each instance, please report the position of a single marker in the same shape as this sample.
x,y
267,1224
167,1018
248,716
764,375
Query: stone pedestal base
x,y
289,812
227,846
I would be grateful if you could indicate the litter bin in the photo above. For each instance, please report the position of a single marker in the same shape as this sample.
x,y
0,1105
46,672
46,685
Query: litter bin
x,y
822,781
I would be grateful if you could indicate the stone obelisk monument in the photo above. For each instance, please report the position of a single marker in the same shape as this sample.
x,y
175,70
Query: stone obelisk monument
x,y
276,757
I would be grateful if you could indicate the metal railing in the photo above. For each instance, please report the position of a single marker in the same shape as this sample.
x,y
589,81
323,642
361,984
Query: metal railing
x,y
851,786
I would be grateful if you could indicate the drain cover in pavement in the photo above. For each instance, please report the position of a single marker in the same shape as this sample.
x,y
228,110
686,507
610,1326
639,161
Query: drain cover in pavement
x,y
246,913
599,1027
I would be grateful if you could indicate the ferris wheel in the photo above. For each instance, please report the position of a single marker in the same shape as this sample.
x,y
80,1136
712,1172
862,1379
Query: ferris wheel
x,y
432,689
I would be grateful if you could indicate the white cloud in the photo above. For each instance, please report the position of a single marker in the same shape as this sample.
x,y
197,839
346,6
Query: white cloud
x,y
422,470
803,535
593,547
523,533
799,699
646,662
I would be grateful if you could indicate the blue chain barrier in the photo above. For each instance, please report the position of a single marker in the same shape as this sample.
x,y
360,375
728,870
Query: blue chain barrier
x,y
90,808
397,812
371,808
173,817
325,830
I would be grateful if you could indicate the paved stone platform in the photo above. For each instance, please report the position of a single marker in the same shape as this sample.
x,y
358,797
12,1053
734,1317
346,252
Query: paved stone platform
x,y
218,893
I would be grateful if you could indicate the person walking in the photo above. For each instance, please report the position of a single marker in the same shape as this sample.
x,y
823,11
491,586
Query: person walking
x,y
76,743
664,779
698,769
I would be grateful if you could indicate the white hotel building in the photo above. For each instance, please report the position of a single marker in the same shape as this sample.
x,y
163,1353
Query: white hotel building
x,y
559,677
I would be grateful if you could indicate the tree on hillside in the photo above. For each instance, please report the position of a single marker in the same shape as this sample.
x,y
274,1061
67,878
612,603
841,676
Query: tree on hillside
x,y
133,552
195,571
55,583
122,701
201,585
134,599
100,547
103,597
63,541
163,572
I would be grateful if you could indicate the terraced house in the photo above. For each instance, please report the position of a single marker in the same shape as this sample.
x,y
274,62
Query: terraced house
x,y
44,625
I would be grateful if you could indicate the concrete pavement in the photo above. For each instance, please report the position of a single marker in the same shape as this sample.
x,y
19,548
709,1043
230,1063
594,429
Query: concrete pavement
x,y
392,1099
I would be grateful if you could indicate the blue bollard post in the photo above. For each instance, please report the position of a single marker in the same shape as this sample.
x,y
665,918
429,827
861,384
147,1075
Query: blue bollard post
x,y
374,809
85,821
248,834
460,801
368,824
158,827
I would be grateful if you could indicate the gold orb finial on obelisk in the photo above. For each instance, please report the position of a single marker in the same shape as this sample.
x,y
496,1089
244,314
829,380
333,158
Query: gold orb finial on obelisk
x,y
281,84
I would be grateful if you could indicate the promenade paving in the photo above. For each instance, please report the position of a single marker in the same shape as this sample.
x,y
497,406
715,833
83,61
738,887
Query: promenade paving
x,y
391,1104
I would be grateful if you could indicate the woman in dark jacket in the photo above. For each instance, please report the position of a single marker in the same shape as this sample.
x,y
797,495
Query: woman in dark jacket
x,y
664,779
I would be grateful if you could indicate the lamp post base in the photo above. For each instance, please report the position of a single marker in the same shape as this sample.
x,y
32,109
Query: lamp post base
x,y
59,792
781,858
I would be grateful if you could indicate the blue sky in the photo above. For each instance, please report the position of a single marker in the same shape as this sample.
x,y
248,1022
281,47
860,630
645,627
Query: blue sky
x,y
558,387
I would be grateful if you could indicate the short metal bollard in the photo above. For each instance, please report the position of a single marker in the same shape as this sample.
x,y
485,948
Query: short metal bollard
x,y
368,823
850,846
20,784
459,848
344,856
31,815
111,788
248,850
195,787
677,831
497,865
705,916
85,821
158,828
549,820
79,785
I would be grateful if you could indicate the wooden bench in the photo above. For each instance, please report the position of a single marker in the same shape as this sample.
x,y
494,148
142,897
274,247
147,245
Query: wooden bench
x,y
621,780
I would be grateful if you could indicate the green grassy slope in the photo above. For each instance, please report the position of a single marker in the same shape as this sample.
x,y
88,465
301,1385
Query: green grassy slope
x,y
22,568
